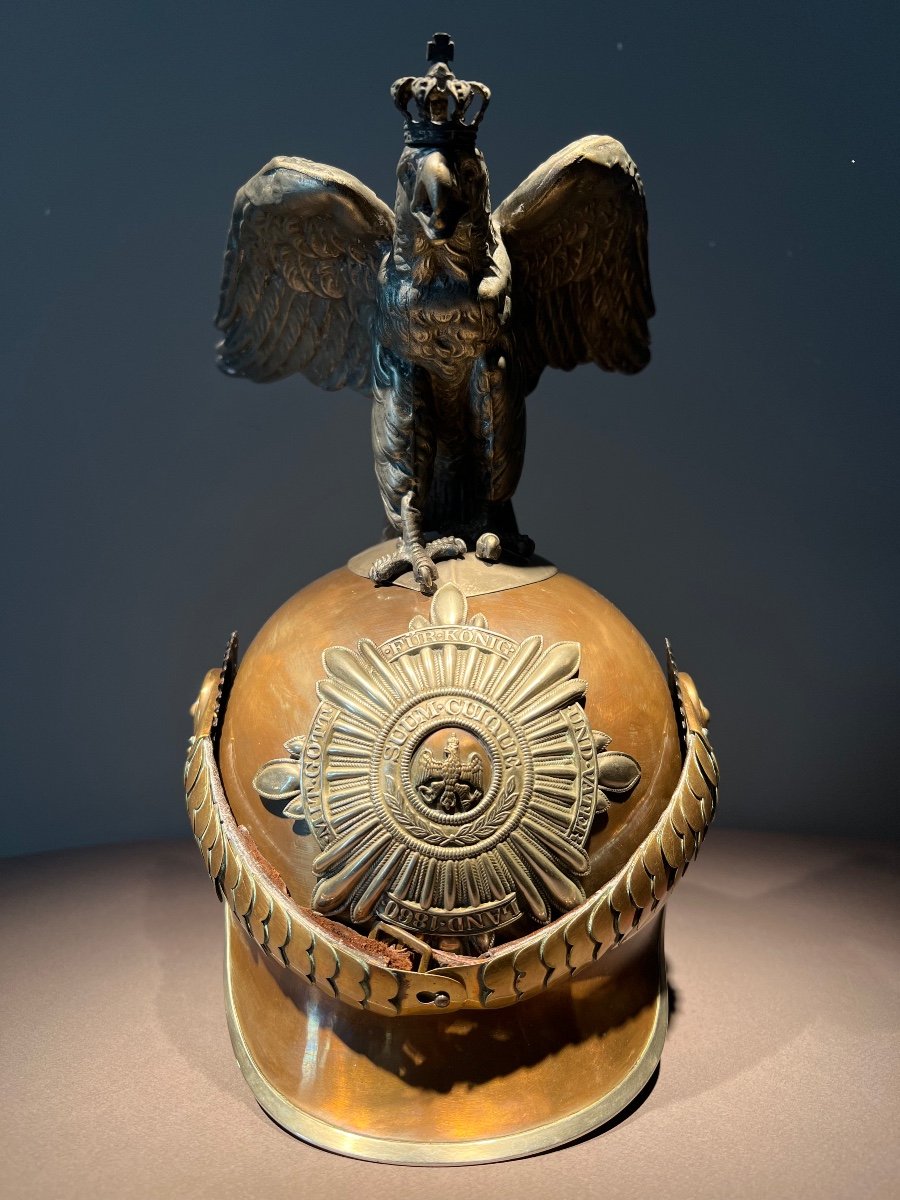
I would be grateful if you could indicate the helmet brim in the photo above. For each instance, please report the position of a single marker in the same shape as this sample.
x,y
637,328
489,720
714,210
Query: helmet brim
x,y
459,1087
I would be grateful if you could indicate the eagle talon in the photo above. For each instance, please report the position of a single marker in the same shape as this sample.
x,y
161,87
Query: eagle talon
x,y
413,553
424,570
418,557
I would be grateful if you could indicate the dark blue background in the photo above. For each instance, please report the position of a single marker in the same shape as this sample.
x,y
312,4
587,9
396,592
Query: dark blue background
x,y
740,496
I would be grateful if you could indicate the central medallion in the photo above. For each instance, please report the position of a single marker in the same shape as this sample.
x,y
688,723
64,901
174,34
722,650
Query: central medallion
x,y
453,781
450,777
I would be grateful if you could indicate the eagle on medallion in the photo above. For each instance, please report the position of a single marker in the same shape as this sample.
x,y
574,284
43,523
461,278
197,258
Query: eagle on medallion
x,y
446,781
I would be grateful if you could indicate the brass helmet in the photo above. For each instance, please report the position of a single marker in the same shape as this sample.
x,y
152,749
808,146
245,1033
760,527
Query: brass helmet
x,y
443,829
444,814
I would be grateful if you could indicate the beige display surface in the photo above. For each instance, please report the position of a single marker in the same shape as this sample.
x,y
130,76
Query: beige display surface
x,y
779,1075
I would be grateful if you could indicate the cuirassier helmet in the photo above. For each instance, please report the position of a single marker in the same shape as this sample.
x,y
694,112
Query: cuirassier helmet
x,y
443,830
447,791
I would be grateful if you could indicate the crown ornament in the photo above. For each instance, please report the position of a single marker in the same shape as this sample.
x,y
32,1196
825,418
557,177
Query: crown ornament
x,y
442,101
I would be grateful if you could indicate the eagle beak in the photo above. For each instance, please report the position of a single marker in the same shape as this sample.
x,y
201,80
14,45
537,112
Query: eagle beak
x,y
436,200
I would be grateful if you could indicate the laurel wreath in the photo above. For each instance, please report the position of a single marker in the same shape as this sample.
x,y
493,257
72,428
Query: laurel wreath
x,y
481,829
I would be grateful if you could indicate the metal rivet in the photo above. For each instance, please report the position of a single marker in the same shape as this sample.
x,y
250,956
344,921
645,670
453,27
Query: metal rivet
x,y
438,999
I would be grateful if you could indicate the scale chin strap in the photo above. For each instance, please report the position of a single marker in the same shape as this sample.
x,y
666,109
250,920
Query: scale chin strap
x,y
366,973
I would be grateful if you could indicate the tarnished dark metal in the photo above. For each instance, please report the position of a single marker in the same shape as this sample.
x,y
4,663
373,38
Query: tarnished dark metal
x,y
443,312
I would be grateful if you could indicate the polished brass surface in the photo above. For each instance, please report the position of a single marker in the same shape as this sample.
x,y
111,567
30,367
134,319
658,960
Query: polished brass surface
x,y
300,957
450,779
661,837
449,1087
274,698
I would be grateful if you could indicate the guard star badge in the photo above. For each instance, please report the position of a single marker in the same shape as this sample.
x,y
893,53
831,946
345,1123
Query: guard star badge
x,y
450,777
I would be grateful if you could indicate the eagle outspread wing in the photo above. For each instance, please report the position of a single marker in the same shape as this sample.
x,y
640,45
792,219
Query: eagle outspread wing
x,y
576,234
301,268
472,772
427,768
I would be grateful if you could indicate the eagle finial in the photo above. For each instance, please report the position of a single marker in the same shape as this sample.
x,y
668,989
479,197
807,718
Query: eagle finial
x,y
444,311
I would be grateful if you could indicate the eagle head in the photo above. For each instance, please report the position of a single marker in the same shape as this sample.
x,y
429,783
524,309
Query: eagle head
x,y
444,188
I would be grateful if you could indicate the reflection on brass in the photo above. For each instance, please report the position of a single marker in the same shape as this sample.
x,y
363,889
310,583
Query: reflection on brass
x,y
444,312
409,831
512,972
443,885
448,1087
562,1068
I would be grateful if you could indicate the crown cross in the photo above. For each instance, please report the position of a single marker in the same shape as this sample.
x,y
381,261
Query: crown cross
x,y
440,49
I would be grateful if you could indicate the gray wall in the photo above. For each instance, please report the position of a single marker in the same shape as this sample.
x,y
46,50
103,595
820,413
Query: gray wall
x,y
740,496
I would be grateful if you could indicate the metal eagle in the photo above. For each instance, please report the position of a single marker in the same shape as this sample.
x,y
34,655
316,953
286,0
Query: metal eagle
x,y
448,782
443,311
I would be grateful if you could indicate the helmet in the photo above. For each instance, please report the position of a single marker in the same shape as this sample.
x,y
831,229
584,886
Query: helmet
x,y
443,828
